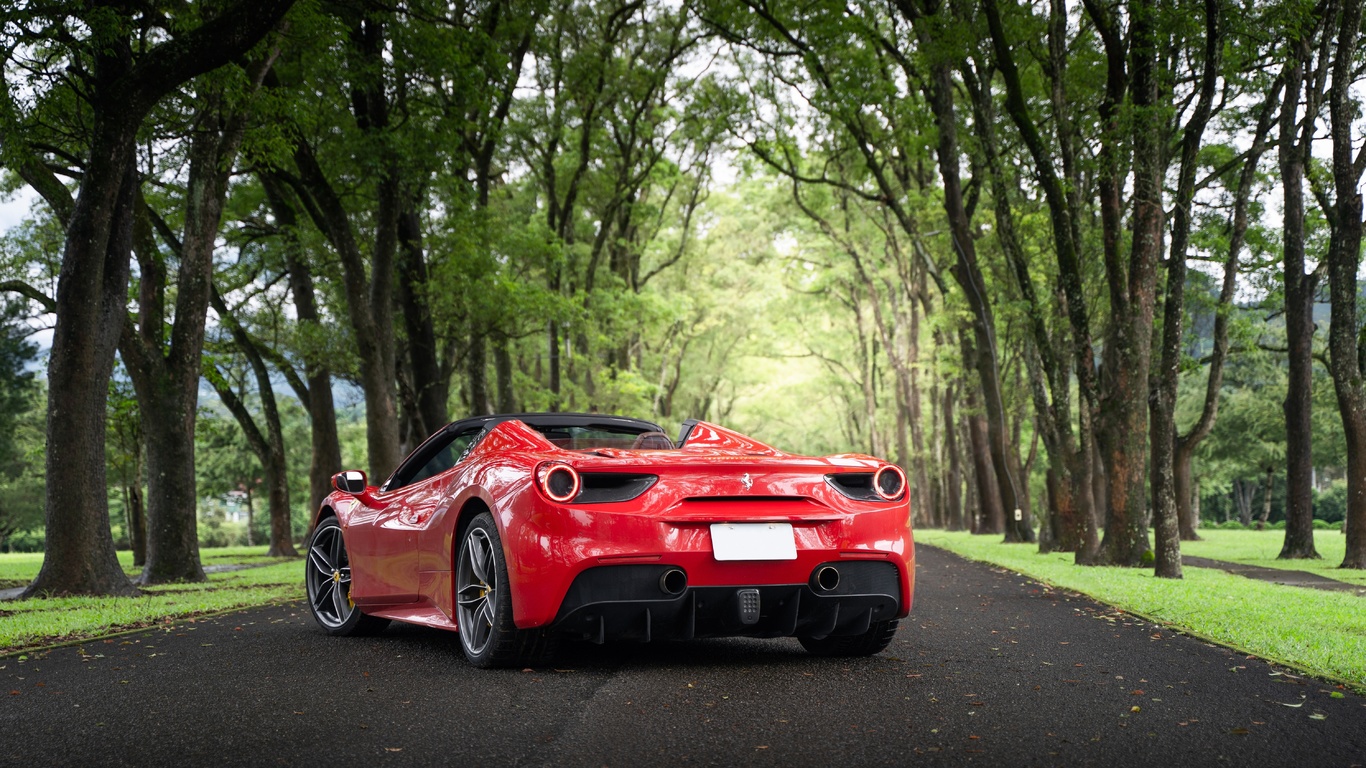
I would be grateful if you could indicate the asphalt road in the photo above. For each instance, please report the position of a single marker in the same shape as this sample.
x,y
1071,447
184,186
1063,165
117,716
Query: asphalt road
x,y
990,669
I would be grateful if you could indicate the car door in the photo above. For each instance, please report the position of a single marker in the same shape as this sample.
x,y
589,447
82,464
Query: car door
x,y
390,560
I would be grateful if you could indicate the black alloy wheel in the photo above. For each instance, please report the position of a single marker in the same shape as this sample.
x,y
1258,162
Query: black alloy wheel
x,y
327,576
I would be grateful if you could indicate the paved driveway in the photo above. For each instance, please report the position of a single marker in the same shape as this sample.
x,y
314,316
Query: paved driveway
x,y
990,669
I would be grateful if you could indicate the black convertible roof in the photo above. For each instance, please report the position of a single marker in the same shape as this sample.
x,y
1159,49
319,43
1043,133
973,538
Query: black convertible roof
x,y
541,420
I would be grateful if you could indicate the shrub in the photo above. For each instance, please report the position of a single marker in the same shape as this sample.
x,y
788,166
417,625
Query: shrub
x,y
1331,504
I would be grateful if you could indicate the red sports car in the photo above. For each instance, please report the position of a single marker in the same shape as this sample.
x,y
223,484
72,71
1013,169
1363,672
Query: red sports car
x,y
519,530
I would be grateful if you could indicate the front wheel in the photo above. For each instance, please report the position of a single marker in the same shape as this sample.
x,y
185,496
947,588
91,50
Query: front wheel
x,y
484,603
328,579
875,640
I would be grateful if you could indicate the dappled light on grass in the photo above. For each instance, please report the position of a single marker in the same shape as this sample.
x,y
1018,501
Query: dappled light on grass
x,y
1322,633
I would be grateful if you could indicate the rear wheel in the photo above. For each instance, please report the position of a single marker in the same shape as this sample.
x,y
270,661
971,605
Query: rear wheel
x,y
484,604
328,579
875,640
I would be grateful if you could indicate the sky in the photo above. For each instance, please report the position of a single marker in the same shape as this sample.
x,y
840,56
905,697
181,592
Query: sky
x,y
14,207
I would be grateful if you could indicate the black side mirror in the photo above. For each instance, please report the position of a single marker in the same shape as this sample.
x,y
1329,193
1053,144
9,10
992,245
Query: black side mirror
x,y
351,481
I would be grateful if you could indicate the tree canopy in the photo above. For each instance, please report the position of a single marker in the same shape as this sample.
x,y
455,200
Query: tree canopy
x,y
1055,259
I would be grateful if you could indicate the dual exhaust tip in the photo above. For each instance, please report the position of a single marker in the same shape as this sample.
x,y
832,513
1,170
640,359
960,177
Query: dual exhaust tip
x,y
826,578
674,581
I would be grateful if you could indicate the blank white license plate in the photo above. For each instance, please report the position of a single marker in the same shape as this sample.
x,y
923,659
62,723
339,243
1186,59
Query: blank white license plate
x,y
753,541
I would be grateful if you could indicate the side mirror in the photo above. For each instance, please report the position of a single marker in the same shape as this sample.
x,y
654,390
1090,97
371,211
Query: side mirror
x,y
351,481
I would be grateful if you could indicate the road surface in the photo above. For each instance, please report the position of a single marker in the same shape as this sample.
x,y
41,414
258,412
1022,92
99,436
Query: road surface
x,y
990,669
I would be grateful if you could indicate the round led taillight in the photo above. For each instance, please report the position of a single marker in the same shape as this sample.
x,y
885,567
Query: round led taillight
x,y
889,482
560,483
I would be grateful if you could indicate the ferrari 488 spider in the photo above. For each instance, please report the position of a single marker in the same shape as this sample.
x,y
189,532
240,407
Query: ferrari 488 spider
x,y
519,530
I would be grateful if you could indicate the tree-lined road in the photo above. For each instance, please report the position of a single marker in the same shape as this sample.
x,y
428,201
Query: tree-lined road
x,y
991,669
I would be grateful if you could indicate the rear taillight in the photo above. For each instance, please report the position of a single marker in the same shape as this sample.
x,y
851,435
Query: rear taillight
x,y
559,482
889,482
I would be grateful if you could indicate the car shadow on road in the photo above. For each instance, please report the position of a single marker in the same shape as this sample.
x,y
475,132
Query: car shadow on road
x,y
615,656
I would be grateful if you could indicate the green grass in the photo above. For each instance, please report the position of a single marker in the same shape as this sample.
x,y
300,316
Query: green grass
x,y
36,623
1320,633
1262,547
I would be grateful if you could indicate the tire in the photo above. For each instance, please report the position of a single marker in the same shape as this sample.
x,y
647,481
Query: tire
x,y
327,575
875,640
483,609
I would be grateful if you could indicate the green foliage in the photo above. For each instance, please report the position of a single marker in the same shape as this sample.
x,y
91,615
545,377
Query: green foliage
x,y
1330,506
21,430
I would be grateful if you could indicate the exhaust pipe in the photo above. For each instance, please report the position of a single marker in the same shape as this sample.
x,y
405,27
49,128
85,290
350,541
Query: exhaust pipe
x,y
673,582
827,578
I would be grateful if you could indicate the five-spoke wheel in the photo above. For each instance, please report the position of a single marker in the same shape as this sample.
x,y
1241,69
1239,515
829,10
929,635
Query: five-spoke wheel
x,y
483,603
328,579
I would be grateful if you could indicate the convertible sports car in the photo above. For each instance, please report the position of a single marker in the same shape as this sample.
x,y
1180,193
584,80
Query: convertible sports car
x,y
519,530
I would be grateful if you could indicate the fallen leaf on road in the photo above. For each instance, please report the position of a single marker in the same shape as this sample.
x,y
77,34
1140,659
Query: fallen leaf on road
x,y
1240,731
1318,716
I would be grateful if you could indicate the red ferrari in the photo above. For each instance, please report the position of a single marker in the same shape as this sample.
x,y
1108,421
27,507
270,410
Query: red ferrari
x,y
518,530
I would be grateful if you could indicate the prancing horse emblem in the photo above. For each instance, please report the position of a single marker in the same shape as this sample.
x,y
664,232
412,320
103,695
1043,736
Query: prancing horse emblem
x,y
746,481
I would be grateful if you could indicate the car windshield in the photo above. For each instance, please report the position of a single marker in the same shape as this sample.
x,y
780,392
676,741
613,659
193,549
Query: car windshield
x,y
575,438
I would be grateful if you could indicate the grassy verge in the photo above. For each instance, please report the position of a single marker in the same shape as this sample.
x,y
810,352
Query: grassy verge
x,y
1320,633
26,624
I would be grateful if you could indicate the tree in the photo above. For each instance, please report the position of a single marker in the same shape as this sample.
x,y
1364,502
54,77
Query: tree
x,y
122,76
1299,114
1347,361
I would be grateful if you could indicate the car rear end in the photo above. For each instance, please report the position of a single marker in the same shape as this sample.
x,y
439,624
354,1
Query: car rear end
x,y
696,543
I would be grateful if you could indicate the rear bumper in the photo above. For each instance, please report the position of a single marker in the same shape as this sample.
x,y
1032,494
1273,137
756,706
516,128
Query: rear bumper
x,y
638,602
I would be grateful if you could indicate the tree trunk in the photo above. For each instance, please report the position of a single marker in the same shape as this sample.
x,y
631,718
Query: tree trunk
x,y
1162,402
1132,285
428,384
92,286
166,376
968,275
990,515
317,393
1266,499
1299,316
476,370
1345,339
137,521
270,447
953,485
502,369
79,555
1242,496
172,504
1063,221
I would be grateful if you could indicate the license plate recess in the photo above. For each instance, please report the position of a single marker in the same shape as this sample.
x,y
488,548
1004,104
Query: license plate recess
x,y
753,541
